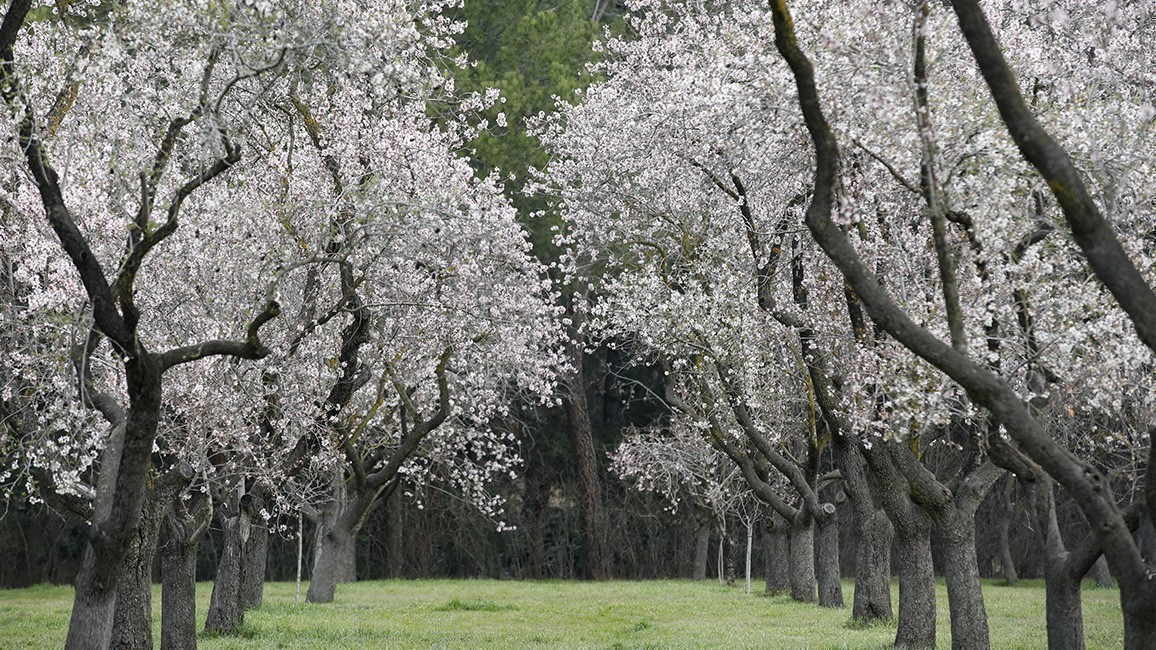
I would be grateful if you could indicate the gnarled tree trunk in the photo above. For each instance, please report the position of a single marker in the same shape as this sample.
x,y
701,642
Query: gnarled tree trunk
x,y
827,560
873,533
777,553
180,535
803,557
255,553
226,610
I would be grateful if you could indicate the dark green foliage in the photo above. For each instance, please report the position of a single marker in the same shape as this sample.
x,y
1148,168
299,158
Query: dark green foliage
x,y
532,51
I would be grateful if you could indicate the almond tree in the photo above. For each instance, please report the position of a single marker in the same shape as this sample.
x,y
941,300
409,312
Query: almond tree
x,y
983,385
195,146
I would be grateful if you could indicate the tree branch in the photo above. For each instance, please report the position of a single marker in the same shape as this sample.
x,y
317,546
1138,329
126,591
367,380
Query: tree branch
x,y
250,348
1091,231
92,276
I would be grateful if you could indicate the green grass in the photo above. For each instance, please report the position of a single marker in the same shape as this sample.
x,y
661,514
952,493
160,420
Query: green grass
x,y
509,614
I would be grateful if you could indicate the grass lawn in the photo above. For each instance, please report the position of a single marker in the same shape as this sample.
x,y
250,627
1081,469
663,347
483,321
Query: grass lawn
x,y
510,614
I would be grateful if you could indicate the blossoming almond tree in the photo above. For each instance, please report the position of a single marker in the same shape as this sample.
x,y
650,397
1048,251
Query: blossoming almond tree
x,y
982,383
212,101
449,318
172,140
909,226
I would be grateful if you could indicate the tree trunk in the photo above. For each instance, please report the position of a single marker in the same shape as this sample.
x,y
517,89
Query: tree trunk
x,y
916,585
179,581
1065,615
132,625
120,497
394,545
335,550
803,558
586,471
256,551
827,562
90,626
777,553
1100,573
1139,623
729,557
226,611
701,548
873,533
1006,515
873,568
961,572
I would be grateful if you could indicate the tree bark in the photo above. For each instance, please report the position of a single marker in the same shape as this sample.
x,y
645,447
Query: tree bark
x,y
701,546
827,561
803,558
777,553
339,522
916,583
394,544
961,573
1065,615
1100,574
913,543
1007,513
873,533
133,618
181,535
586,470
178,595
729,559
335,553
256,553
226,610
